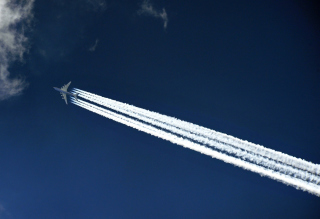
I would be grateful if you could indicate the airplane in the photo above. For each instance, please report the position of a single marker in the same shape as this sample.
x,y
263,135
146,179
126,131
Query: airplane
x,y
63,91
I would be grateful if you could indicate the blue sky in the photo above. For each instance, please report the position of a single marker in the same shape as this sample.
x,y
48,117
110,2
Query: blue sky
x,y
249,69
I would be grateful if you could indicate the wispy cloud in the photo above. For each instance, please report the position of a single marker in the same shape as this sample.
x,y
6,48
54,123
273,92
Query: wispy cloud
x,y
93,48
4,213
148,9
97,5
13,20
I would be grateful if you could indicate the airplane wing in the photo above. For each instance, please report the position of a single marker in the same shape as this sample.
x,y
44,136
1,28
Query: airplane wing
x,y
65,87
64,96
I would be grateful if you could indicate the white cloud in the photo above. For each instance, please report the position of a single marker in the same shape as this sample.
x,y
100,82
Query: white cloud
x,y
93,48
147,9
13,19
97,5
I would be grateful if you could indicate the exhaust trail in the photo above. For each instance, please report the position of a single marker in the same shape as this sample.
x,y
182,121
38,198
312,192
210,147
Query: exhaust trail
x,y
225,148
191,143
245,145
211,134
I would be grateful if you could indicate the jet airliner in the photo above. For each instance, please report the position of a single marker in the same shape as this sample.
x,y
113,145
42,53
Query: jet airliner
x,y
63,91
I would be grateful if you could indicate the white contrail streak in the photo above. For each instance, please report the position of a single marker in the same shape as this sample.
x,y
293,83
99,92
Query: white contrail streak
x,y
243,154
264,166
245,145
198,130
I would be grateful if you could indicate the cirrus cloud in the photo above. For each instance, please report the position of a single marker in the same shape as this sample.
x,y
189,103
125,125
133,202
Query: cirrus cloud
x,y
148,9
14,17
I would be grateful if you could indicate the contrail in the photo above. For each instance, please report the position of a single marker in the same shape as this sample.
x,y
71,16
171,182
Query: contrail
x,y
226,148
281,171
248,146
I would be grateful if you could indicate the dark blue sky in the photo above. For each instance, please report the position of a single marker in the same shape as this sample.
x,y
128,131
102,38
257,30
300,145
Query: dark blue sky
x,y
250,69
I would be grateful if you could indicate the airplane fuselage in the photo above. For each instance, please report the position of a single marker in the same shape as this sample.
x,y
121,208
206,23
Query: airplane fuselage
x,y
66,92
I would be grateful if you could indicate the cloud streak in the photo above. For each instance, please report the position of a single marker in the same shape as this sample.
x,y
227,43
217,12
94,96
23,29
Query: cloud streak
x,y
13,22
147,9
93,48
278,166
222,142
97,5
